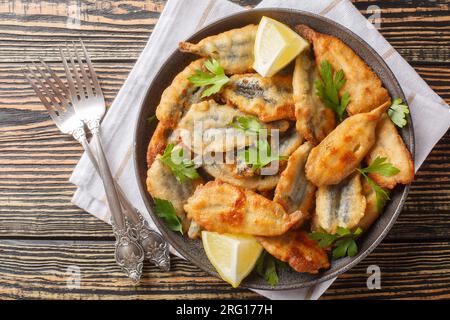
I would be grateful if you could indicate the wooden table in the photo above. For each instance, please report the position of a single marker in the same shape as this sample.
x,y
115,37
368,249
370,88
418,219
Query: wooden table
x,y
42,234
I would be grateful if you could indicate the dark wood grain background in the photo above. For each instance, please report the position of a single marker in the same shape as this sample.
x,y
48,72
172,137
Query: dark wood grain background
x,y
42,233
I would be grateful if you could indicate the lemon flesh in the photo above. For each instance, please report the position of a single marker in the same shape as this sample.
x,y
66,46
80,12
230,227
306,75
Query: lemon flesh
x,y
276,46
233,256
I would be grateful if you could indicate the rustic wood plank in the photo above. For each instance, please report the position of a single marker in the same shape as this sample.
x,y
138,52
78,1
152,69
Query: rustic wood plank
x,y
408,270
36,161
118,30
38,269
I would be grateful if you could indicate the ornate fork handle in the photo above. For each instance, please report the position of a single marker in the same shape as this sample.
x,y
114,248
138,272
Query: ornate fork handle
x,y
129,254
156,249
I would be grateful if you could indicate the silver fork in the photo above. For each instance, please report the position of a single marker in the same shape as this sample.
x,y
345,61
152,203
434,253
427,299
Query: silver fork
x,y
89,104
55,98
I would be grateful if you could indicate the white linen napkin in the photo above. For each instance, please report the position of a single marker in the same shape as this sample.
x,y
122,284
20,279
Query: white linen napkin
x,y
431,115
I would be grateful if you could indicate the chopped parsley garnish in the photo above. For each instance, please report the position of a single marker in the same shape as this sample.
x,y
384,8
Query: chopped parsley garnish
x,y
328,87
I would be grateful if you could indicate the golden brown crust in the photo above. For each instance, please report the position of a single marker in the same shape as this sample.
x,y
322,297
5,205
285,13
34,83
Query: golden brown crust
x,y
314,120
389,144
270,99
341,205
221,207
297,249
294,192
233,48
178,96
341,152
158,143
365,88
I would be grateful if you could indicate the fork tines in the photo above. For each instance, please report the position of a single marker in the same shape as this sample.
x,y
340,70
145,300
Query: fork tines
x,y
48,87
86,83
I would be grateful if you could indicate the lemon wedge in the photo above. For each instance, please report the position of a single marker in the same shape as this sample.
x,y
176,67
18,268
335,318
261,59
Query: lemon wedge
x,y
233,256
276,46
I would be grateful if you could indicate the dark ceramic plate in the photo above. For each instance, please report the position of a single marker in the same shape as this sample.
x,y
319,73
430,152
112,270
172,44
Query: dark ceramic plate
x,y
192,250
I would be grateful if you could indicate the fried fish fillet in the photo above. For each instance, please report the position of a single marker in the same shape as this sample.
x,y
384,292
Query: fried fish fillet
x,y
341,205
372,211
158,143
290,142
269,99
205,128
228,173
365,88
179,96
297,249
390,145
341,152
294,192
220,207
314,120
233,49
162,184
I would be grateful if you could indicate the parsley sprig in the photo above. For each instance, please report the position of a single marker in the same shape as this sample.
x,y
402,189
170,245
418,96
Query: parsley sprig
x,y
214,79
343,241
267,267
328,87
398,113
165,210
259,155
151,119
383,168
182,168
248,124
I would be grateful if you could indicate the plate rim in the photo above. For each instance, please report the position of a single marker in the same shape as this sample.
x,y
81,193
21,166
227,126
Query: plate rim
x,y
167,233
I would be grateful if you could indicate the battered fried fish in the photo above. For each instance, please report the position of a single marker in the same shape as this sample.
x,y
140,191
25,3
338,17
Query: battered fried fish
x,y
341,205
297,249
363,85
234,49
177,98
289,143
158,143
220,207
294,192
372,211
162,184
314,120
269,99
229,174
341,152
204,128
390,145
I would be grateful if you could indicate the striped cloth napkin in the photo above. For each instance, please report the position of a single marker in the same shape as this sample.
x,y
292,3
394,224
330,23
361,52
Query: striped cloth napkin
x,y
430,113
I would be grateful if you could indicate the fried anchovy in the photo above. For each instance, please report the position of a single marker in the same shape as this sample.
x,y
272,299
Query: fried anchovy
x,y
269,99
314,120
342,205
233,49
294,192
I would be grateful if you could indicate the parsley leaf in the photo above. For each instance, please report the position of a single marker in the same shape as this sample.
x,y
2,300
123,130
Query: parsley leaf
x,y
165,210
151,119
328,87
214,79
381,167
385,169
248,123
259,156
343,242
397,112
381,194
267,267
183,169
